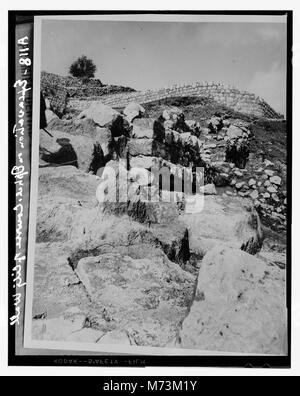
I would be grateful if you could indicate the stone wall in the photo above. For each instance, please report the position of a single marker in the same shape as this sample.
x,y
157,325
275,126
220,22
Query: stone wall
x,y
241,101
76,87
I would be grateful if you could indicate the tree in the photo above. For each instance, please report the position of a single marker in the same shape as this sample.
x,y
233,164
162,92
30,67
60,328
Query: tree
x,y
83,68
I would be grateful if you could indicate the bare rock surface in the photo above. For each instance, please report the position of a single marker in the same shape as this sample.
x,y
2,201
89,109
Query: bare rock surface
x,y
145,297
140,272
223,220
117,337
56,287
50,116
67,182
239,306
86,126
100,113
133,110
80,150
208,189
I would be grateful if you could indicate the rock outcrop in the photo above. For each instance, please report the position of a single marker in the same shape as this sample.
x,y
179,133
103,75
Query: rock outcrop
x,y
223,221
149,231
238,306
62,150
145,297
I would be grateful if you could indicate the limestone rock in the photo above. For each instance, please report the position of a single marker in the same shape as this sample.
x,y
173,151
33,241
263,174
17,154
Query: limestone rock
x,y
117,337
87,335
269,172
146,298
254,194
234,132
80,151
118,193
85,126
275,180
57,329
133,110
239,185
145,162
208,189
148,128
104,137
223,220
251,182
141,176
100,113
239,306
147,147
67,183
50,116
140,147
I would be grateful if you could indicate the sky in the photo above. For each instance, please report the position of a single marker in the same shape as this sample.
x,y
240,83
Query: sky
x,y
152,55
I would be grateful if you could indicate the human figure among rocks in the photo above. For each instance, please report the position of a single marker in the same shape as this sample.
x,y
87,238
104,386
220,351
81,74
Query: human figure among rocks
x,y
237,152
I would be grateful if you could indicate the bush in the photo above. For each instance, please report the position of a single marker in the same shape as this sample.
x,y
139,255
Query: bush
x,y
83,68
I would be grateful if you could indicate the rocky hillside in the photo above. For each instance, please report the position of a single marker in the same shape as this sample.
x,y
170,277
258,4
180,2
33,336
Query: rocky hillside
x,y
59,90
159,268
240,101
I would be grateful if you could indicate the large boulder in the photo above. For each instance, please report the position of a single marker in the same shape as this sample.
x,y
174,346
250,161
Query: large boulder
x,y
148,147
66,205
86,127
234,132
142,161
123,192
147,128
65,149
70,226
208,189
140,147
223,220
147,298
133,110
100,113
239,306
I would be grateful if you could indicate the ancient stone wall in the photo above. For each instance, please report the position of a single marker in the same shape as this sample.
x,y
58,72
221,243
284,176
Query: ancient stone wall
x,y
76,87
241,101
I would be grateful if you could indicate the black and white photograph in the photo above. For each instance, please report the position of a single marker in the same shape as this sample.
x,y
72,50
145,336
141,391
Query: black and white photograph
x,y
161,186
150,188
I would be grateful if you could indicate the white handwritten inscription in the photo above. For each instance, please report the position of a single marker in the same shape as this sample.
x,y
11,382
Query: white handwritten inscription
x,y
19,172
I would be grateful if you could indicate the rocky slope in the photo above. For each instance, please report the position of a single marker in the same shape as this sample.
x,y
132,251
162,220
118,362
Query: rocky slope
x,y
203,268
58,90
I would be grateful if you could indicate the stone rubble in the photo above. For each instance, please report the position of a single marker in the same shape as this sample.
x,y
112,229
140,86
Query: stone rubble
x,y
134,272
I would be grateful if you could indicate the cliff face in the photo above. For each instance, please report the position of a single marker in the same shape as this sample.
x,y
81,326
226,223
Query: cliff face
x,y
240,101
